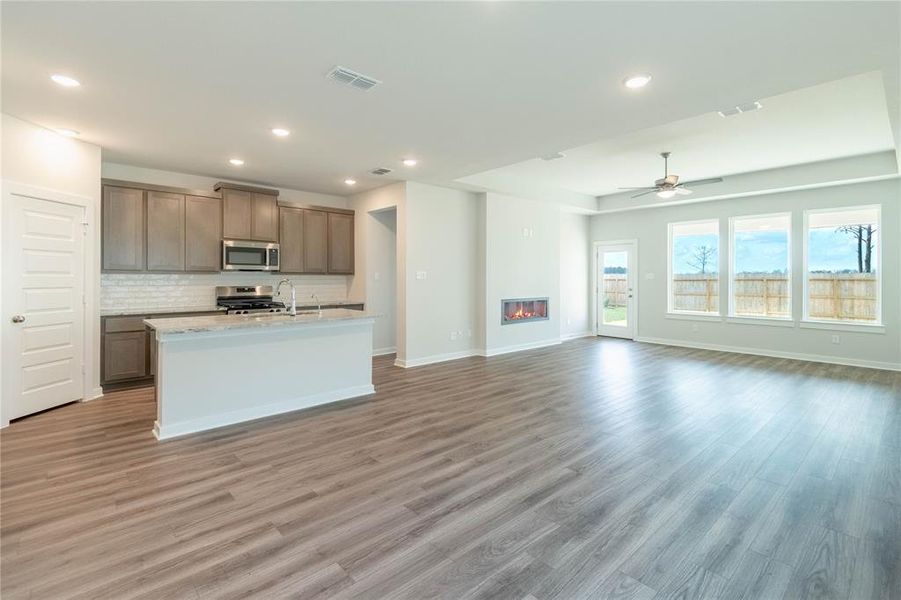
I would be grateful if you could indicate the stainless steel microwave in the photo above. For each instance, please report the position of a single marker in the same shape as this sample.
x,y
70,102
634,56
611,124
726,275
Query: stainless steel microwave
x,y
240,255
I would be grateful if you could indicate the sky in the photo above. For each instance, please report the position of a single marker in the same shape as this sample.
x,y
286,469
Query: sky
x,y
767,251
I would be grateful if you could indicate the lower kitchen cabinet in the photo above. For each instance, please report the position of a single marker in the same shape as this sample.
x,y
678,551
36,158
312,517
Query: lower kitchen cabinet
x,y
128,351
124,356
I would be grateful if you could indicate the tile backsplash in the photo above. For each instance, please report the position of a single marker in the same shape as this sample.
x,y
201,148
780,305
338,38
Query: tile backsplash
x,y
198,290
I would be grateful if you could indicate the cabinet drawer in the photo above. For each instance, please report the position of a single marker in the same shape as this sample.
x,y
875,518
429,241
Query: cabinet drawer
x,y
120,324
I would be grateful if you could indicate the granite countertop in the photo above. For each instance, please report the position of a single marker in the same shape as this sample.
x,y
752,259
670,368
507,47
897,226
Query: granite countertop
x,y
132,312
201,324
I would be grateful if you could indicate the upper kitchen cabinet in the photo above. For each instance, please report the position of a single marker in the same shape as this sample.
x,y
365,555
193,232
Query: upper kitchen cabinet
x,y
165,231
315,241
237,208
290,237
156,228
249,213
203,234
123,228
340,243
264,222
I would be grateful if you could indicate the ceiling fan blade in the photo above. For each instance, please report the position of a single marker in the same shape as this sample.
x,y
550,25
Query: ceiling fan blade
x,y
703,181
682,191
639,188
650,191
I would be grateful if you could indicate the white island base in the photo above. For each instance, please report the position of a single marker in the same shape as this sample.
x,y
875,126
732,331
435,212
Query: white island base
x,y
221,370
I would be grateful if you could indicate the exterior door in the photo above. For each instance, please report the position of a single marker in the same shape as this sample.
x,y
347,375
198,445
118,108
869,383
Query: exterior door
x,y
43,304
617,295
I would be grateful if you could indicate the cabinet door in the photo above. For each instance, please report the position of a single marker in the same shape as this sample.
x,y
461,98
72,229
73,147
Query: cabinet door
x,y
203,234
315,241
124,356
340,243
264,223
123,229
290,235
237,208
165,231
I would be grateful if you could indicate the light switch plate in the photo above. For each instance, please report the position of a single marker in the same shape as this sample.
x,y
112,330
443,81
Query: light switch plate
x,y
421,275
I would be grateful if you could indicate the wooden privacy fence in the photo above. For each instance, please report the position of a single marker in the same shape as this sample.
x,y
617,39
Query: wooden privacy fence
x,y
842,296
849,296
616,289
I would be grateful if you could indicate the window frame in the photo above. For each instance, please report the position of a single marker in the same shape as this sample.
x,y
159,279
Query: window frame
x,y
849,325
689,314
731,314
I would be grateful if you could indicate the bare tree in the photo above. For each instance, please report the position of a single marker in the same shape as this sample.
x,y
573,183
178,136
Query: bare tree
x,y
703,256
865,241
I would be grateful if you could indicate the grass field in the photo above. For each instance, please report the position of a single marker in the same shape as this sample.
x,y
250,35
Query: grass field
x,y
614,313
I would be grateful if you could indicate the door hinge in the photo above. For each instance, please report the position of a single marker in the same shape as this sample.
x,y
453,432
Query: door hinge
x,y
84,228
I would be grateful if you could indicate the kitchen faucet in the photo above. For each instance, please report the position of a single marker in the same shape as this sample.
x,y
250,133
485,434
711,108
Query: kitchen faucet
x,y
318,303
292,310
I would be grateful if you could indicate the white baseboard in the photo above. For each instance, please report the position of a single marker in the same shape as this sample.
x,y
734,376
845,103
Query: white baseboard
x,y
819,358
437,358
384,351
574,336
434,358
257,412
518,347
97,392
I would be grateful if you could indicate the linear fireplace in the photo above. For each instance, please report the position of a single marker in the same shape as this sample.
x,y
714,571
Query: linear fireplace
x,y
523,310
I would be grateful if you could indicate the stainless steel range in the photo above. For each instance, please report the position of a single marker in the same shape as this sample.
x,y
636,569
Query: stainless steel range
x,y
247,300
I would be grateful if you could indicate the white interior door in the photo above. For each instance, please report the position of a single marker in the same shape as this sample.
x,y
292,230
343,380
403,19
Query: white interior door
x,y
617,294
43,303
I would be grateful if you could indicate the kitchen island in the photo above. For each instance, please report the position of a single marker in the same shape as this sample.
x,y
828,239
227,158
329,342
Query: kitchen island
x,y
220,370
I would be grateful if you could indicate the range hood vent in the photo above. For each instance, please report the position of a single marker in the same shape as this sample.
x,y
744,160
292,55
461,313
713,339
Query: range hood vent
x,y
353,79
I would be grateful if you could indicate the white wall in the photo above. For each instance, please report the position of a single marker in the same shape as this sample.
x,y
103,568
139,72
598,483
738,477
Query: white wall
x,y
522,260
575,275
381,297
649,226
441,247
38,157
372,255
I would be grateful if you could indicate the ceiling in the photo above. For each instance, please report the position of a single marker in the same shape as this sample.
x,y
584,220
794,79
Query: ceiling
x,y
841,118
468,86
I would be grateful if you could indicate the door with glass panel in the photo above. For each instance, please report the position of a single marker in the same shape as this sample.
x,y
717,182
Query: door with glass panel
x,y
617,295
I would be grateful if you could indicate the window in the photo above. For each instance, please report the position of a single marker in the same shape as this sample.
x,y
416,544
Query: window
x,y
694,267
760,284
843,279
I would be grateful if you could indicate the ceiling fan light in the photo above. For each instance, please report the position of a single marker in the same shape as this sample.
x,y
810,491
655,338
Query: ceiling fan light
x,y
666,194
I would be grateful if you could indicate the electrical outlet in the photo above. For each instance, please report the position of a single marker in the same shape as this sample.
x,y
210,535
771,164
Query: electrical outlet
x,y
836,339
376,275
694,327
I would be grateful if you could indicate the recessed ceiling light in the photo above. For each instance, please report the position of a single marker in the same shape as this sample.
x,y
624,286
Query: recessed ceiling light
x,y
350,181
65,80
410,162
279,132
634,82
236,162
66,132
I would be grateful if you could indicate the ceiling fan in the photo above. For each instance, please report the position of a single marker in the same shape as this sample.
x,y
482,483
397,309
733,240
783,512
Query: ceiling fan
x,y
669,186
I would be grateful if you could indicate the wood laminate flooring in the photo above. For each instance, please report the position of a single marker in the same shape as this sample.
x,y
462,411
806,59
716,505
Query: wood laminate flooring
x,y
596,469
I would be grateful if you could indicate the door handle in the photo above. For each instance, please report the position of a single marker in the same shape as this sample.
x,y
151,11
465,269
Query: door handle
x,y
18,319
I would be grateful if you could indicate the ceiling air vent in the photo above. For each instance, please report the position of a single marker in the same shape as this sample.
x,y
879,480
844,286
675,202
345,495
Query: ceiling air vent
x,y
353,79
552,156
380,171
742,108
